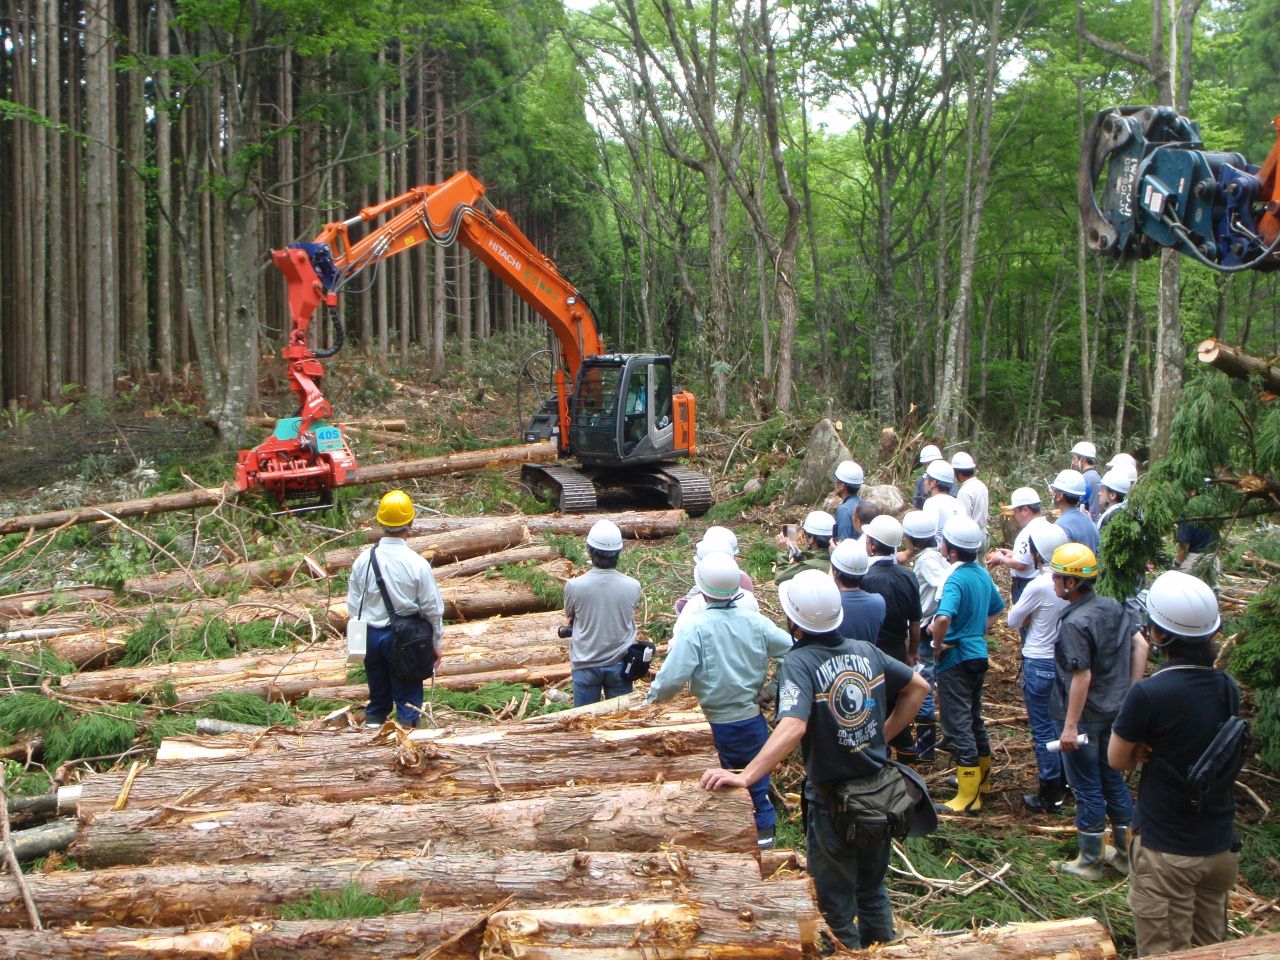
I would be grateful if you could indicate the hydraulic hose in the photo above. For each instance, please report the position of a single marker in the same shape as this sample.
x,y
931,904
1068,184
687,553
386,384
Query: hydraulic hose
x,y
339,336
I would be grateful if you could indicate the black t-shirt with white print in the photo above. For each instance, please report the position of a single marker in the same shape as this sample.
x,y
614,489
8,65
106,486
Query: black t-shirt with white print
x,y
843,691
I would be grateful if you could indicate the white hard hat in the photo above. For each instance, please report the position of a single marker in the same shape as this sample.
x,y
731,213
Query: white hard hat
x,y
850,473
1025,497
811,600
726,533
941,471
717,576
850,556
712,543
1121,459
819,523
1183,605
920,525
962,532
1118,479
1085,449
962,461
930,453
1070,482
1046,536
605,535
884,529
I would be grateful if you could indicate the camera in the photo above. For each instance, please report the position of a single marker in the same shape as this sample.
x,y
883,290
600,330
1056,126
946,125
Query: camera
x,y
564,633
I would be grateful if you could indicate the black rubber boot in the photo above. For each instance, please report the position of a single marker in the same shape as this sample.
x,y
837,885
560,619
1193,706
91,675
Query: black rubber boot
x,y
1048,800
926,740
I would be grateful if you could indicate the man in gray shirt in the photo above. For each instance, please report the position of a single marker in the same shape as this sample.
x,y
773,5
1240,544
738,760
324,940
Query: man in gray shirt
x,y
600,606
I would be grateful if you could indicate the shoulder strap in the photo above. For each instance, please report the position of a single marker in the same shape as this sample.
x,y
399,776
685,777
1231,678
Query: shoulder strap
x,y
382,587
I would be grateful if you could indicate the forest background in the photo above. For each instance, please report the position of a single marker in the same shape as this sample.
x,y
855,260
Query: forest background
x,y
867,205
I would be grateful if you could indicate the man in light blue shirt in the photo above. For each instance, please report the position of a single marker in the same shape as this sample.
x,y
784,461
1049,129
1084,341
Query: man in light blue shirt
x,y
723,655
849,478
1068,491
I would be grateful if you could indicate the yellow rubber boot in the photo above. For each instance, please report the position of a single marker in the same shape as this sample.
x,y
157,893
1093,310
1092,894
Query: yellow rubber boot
x,y
967,798
984,774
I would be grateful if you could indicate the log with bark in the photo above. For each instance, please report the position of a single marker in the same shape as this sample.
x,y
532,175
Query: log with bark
x,y
533,676
1234,362
762,920
1080,939
634,524
294,674
618,817
484,764
27,603
444,547
539,552
462,462
1250,948
213,891
386,426
403,936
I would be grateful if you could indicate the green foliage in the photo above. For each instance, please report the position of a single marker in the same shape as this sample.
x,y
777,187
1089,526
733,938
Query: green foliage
x,y
349,902
30,712
545,587
106,731
170,725
235,707
493,698
1260,857
31,668
25,783
1266,727
161,639
773,486
1256,658
571,548
309,707
357,674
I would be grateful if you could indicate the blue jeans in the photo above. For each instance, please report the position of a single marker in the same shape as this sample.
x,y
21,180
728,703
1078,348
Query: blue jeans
x,y
588,682
1037,690
384,687
927,706
737,744
1101,792
848,879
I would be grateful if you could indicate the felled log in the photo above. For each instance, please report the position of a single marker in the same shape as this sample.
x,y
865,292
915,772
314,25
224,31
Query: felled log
x,y
388,426
1250,948
402,936
295,674
776,920
87,649
26,603
173,893
466,568
622,818
43,840
471,765
443,547
461,462
533,676
26,810
1234,362
634,524
1083,938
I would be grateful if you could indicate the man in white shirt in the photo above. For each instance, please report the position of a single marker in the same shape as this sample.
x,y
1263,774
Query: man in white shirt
x,y
939,480
972,495
1025,506
1036,615
411,587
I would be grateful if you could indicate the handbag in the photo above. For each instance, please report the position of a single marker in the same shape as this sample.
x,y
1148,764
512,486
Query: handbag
x,y
637,660
413,650
891,803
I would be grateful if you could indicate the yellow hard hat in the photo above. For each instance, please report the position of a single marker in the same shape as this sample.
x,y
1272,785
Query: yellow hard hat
x,y
1075,560
396,510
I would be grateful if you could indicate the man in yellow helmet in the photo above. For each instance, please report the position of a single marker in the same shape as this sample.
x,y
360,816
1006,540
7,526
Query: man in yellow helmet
x,y
410,587
1098,651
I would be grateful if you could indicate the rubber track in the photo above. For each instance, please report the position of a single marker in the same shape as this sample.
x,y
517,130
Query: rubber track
x,y
690,490
577,492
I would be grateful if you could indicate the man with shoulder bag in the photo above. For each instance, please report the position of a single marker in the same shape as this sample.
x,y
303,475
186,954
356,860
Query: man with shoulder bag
x,y
841,701
393,594
1184,854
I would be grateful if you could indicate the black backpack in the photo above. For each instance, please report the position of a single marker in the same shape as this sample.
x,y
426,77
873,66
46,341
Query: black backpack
x,y
1220,763
413,649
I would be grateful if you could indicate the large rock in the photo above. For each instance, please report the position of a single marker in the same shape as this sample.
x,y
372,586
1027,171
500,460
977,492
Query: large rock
x,y
886,496
816,474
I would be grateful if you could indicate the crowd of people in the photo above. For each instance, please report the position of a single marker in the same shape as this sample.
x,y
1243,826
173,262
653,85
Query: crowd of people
x,y
885,647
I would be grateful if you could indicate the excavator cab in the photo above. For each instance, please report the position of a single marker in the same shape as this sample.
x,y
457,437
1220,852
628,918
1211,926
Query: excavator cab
x,y
623,411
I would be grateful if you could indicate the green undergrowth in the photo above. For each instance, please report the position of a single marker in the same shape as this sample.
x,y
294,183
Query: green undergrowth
x,y
569,547
347,903
23,782
1260,857
309,708
545,587
161,639
235,707
493,698
771,487
31,668
69,734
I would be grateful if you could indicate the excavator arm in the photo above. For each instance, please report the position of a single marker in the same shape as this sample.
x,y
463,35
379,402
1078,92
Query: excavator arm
x,y
1163,189
305,457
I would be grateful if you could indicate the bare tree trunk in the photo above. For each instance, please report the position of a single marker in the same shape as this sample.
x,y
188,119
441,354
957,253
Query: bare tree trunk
x,y
56,229
136,302
1123,391
99,263
462,254
1082,282
165,208
437,309
382,289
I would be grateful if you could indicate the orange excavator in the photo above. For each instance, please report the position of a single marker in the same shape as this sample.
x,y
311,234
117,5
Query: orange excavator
x,y
618,414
